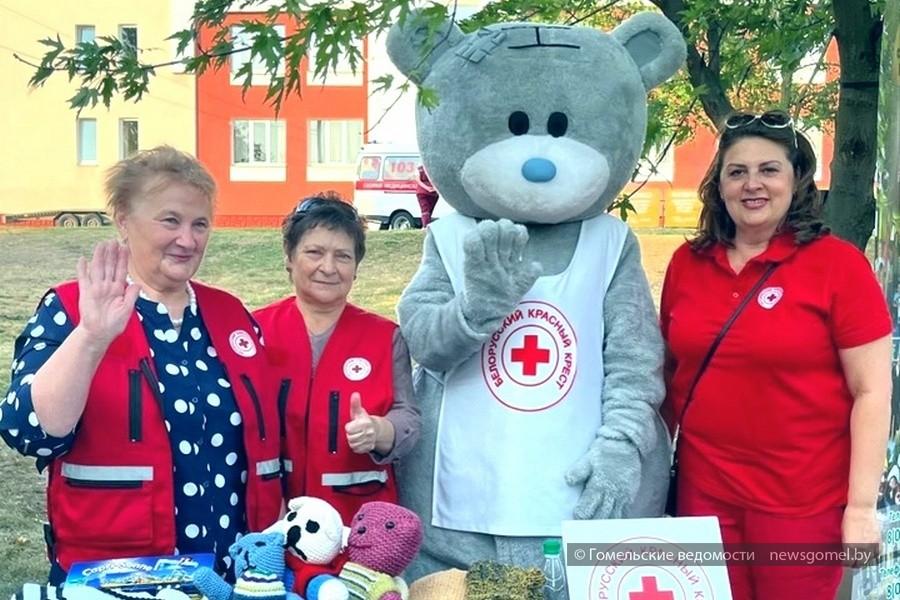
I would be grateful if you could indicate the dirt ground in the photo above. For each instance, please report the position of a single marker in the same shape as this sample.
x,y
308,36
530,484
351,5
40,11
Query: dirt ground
x,y
656,250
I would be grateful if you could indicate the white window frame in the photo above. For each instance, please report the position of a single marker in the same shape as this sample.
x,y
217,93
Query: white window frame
x,y
237,60
320,166
270,169
341,75
86,148
321,143
81,30
123,29
123,150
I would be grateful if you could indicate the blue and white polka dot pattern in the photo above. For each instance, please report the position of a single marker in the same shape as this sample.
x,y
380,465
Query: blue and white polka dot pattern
x,y
201,416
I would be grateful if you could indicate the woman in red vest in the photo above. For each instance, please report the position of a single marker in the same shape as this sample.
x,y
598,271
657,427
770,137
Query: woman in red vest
x,y
346,396
144,393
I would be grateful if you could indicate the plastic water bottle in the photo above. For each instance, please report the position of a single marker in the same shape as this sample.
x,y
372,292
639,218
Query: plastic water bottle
x,y
554,572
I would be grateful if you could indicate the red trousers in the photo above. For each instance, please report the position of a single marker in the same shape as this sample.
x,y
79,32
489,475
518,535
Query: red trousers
x,y
770,582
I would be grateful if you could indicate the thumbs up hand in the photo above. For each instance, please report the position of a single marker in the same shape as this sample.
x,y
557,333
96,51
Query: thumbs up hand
x,y
362,429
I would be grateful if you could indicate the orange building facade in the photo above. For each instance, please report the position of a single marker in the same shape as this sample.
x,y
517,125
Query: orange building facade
x,y
265,162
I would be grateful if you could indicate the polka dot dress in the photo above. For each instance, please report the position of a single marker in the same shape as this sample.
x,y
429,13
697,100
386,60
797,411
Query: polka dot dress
x,y
201,416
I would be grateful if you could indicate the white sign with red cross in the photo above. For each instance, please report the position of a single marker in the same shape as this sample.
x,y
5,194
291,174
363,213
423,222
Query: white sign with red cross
x,y
645,559
529,364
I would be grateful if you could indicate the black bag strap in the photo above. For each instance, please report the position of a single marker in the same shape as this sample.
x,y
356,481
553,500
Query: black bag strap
x,y
712,350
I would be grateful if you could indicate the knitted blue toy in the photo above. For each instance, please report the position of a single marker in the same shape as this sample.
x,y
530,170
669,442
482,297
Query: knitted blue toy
x,y
258,567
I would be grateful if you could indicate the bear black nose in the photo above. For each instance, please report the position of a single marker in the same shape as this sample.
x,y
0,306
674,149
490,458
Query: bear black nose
x,y
361,530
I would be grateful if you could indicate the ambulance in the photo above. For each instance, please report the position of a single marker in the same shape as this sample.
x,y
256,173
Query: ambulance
x,y
385,188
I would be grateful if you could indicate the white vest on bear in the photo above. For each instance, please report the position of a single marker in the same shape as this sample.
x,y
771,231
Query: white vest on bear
x,y
523,409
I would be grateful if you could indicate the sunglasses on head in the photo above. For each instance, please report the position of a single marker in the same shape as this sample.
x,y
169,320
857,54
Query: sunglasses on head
x,y
310,203
774,119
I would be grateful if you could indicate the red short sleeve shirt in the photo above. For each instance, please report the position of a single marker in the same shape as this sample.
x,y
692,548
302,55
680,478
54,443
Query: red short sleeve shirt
x,y
769,425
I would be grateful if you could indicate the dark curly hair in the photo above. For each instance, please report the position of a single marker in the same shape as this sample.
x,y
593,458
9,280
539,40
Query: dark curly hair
x,y
325,209
803,216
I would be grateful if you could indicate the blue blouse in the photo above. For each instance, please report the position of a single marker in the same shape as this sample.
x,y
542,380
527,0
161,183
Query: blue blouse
x,y
201,416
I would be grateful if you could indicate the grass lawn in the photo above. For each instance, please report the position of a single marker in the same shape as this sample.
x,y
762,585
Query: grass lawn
x,y
247,262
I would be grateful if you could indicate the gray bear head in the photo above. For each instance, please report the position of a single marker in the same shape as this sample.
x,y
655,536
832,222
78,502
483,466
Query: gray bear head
x,y
536,123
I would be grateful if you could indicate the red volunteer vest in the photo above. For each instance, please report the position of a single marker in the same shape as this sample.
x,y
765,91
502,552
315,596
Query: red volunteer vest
x,y
111,495
316,406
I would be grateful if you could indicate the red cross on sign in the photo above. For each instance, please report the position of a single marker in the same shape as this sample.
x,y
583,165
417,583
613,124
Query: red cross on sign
x,y
650,591
530,355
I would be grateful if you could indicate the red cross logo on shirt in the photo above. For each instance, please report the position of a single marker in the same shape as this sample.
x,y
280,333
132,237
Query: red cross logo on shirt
x,y
650,591
530,355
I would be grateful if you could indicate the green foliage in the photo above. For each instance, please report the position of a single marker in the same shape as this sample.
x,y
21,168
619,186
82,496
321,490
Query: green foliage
x,y
742,55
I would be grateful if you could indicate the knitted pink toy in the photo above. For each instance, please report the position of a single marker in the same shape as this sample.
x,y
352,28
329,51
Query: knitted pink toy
x,y
384,539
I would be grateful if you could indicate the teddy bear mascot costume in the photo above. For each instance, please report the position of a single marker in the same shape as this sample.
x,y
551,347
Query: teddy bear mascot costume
x,y
530,316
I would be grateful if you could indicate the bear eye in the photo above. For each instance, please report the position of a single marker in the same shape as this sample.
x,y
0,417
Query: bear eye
x,y
557,124
360,517
389,525
518,123
259,544
312,526
290,516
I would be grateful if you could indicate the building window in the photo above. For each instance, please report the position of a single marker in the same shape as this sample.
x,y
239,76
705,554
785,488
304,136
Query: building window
x,y
337,74
128,35
85,34
258,142
240,40
334,142
87,141
128,137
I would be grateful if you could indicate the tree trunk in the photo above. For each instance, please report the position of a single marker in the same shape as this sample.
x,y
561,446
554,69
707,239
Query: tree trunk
x,y
850,209
704,74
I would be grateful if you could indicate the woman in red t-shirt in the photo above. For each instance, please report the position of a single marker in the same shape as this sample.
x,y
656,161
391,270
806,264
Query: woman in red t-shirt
x,y
785,433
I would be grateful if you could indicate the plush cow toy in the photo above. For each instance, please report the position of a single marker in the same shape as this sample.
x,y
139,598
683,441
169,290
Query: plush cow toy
x,y
530,315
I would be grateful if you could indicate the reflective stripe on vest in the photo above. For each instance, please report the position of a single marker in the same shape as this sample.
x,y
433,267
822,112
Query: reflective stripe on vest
x,y
354,478
101,473
268,467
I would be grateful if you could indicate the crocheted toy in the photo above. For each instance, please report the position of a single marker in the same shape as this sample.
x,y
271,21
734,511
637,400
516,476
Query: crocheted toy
x,y
258,568
384,539
313,534
530,317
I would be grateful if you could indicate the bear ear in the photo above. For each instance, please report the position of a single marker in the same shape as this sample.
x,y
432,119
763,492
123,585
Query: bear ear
x,y
655,44
414,45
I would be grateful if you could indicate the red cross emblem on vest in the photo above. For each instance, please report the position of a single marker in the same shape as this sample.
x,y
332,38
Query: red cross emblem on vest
x,y
650,591
530,355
